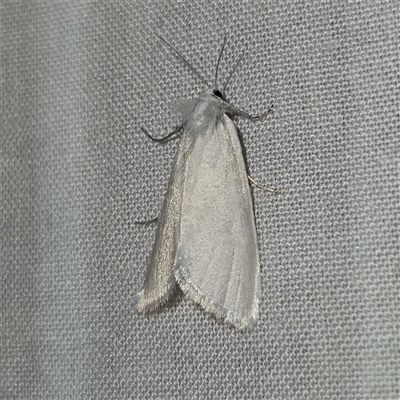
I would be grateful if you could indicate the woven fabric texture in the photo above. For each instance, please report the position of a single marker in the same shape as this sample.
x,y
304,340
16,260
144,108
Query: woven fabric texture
x,y
79,79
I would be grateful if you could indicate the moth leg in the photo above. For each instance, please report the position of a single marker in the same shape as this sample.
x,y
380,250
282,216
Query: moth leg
x,y
165,139
149,222
259,185
240,113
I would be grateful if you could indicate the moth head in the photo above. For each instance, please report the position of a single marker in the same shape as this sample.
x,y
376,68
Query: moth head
x,y
214,94
217,93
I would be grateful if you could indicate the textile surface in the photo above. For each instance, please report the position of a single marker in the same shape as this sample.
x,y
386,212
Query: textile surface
x,y
79,79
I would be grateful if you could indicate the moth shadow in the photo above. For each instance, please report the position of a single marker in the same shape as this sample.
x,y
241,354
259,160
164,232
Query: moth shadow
x,y
171,304
244,151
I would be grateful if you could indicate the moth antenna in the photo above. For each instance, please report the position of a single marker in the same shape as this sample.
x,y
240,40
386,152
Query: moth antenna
x,y
232,72
183,59
219,60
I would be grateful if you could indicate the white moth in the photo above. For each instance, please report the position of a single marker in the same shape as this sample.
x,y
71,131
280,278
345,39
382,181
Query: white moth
x,y
206,240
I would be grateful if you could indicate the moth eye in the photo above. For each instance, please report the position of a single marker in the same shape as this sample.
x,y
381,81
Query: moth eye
x,y
217,93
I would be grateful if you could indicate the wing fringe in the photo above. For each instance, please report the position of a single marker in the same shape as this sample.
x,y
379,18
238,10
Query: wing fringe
x,y
141,305
191,290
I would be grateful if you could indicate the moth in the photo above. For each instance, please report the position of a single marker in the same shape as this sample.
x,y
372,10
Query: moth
x,y
206,239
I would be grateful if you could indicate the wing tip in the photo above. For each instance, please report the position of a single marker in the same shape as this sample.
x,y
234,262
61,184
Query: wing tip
x,y
144,303
196,295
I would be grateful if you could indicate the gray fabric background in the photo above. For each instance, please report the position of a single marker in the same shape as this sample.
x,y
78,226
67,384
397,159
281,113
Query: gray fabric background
x,y
78,81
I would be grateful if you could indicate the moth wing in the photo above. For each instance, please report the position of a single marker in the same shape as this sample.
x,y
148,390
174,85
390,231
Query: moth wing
x,y
217,260
160,280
